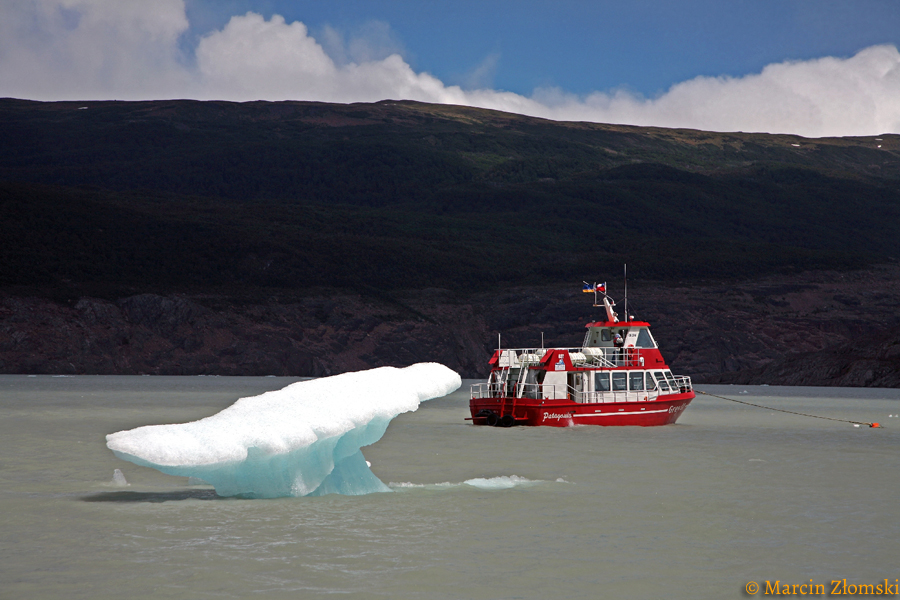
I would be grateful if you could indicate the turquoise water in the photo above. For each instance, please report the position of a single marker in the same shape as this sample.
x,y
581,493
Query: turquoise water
x,y
726,496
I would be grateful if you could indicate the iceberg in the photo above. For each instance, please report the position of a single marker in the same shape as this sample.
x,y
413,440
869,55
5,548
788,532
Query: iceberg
x,y
302,440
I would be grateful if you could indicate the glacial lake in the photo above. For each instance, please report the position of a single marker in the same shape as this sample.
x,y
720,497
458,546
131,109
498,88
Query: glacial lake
x,y
727,496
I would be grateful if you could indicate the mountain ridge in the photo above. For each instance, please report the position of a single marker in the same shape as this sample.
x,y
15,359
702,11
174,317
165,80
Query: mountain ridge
x,y
276,204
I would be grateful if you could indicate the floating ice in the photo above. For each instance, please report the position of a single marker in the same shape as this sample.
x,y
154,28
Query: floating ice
x,y
502,482
302,440
118,479
497,483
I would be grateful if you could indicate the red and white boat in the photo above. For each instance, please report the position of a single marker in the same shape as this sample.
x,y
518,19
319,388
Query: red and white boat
x,y
617,377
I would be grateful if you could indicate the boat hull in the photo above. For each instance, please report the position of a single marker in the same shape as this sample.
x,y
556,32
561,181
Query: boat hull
x,y
564,413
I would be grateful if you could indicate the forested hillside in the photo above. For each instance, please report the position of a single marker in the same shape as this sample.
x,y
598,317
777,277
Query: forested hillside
x,y
184,195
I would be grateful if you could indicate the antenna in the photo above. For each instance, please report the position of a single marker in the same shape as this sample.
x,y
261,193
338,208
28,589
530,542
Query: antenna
x,y
626,292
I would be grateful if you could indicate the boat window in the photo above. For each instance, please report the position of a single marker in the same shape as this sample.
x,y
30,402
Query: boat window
x,y
604,335
651,385
620,381
671,379
661,381
636,381
601,382
645,340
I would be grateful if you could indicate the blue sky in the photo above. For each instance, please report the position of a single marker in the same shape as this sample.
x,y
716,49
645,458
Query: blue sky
x,y
810,67
581,47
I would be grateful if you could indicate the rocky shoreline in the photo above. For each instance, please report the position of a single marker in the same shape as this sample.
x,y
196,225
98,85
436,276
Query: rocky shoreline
x,y
819,328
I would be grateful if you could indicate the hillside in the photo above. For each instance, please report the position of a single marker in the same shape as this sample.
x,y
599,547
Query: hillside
x,y
274,208
184,195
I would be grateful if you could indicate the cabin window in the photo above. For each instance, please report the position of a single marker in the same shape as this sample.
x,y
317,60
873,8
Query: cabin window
x,y
601,382
636,381
650,383
605,335
645,340
620,381
661,381
671,379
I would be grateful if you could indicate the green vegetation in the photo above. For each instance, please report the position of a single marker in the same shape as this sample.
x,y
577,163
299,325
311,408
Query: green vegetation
x,y
193,196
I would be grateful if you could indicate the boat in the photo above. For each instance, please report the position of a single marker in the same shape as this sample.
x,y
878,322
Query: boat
x,y
617,377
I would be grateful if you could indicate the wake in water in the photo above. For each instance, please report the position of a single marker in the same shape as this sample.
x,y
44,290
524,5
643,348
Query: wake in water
x,y
303,440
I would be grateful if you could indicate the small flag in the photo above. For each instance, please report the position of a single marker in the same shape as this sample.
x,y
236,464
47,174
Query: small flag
x,y
587,288
601,287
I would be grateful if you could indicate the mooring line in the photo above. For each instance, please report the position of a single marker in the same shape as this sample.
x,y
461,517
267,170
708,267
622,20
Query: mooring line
x,y
876,425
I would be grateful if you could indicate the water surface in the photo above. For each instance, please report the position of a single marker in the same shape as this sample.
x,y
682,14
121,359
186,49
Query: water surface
x,y
728,495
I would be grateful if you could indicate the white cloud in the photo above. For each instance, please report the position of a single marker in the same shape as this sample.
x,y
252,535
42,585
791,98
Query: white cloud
x,y
128,49
482,76
91,49
823,97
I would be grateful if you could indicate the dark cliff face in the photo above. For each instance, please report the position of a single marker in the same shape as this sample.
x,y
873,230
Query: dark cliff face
x,y
824,328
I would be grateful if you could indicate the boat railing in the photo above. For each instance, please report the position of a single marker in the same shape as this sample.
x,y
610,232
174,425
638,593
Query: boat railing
x,y
511,389
587,357
683,383
616,396
539,391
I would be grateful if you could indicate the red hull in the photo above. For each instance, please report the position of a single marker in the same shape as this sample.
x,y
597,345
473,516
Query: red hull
x,y
564,413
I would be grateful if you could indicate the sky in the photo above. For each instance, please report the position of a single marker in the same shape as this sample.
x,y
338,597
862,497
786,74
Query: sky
x,y
809,67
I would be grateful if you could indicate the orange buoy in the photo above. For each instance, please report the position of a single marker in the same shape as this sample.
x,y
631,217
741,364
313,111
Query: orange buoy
x,y
875,425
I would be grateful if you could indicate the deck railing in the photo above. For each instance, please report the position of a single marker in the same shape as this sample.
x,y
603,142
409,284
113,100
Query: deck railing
x,y
510,389
588,357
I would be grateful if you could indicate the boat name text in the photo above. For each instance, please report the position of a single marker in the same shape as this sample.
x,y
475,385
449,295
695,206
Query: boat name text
x,y
556,416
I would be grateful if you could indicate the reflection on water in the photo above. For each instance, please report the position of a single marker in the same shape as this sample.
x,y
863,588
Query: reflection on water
x,y
728,495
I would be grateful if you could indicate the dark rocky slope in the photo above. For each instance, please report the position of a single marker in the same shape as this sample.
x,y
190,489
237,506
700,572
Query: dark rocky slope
x,y
823,328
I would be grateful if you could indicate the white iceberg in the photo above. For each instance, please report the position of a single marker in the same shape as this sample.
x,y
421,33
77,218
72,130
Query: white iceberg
x,y
302,440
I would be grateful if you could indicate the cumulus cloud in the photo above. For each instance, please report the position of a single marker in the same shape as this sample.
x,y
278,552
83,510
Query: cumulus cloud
x,y
368,42
91,49
129,49
823,97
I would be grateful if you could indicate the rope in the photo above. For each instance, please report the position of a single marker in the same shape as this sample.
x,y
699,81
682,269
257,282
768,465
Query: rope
x,y
876,425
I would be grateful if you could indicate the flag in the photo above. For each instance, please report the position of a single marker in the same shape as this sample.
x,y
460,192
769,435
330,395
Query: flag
x,y
601,287
587,288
